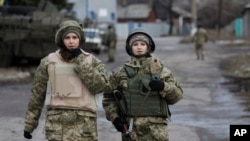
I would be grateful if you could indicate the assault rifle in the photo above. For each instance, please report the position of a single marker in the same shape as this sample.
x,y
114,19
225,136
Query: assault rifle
x,y
121,112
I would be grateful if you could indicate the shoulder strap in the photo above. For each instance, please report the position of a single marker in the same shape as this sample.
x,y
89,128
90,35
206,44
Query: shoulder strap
x,y
129,71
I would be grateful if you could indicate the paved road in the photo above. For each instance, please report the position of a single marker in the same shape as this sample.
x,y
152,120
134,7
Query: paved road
x,y
204,114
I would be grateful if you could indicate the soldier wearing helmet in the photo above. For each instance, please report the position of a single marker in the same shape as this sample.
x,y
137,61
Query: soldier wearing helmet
x,y
142,89
200,38
66,82
110,41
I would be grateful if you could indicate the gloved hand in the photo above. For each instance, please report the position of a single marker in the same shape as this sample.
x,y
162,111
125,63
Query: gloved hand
x,y
156,85
118,124
75,52
27,135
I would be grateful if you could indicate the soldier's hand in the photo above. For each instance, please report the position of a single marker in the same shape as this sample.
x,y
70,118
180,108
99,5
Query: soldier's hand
x,y
156,85
27,135
75,52
118,124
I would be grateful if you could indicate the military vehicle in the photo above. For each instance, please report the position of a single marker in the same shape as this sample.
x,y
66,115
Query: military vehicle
x,y
93,40
27,33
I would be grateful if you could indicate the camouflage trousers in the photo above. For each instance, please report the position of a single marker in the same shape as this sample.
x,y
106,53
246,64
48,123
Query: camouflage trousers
x,y
148,129
111,51
199,51
71,125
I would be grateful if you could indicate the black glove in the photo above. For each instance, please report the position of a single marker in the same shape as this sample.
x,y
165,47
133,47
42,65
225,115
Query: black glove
x,y
27,135
156,85
75,52
118,124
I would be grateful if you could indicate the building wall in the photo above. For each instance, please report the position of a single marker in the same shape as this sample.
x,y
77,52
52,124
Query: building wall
x,y
79,8
155,29
104,10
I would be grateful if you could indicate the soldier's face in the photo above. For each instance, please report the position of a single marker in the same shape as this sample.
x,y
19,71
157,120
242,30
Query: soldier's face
x,y
139,48
71,41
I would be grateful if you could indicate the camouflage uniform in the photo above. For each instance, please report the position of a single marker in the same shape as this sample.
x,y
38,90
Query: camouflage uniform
x,y
111,40
200,38
66,124
145,128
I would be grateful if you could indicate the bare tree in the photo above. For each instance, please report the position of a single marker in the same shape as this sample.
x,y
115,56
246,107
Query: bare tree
x,y
219,13
168,5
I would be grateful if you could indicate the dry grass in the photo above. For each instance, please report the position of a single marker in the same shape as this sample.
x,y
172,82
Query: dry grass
x,y
214,36
237,68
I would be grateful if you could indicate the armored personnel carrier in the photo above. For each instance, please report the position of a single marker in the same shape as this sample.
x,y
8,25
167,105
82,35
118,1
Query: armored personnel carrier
x,y
27,33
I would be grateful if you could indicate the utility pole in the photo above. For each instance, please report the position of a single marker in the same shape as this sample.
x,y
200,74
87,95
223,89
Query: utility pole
x,y
194,13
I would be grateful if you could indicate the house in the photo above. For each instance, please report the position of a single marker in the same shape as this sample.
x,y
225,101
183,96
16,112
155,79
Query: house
x,y
128,14
148,11
154,11
182,20
140,12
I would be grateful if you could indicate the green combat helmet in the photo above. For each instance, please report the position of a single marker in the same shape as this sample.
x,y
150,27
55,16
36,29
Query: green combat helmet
x,y
142,31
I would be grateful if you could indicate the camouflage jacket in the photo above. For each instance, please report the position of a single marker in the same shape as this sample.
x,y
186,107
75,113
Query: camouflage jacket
x,y
172,91
110,38
200,36
94,76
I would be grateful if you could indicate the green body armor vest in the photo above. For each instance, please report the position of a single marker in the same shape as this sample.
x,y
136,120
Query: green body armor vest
x,y
133,96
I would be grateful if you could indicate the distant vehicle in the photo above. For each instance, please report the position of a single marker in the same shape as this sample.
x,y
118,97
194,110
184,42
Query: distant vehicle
x,y
93,41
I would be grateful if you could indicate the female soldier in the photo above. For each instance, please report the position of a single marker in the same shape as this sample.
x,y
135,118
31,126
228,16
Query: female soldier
x,y
71,77
141,91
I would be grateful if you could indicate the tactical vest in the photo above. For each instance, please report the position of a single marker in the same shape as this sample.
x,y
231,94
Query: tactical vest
x,y
138,88
66,89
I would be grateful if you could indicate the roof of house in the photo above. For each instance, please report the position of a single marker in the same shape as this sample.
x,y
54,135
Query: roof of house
x,y
142,10
181,11
133,11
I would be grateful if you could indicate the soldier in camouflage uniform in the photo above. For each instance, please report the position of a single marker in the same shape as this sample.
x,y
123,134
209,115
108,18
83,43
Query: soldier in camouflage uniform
x,y
111,40
66,82
200,38
141,91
